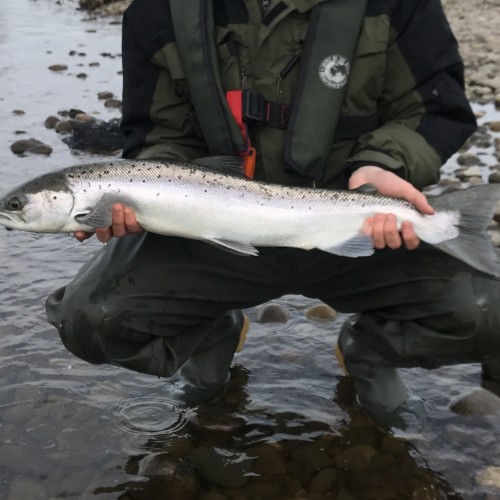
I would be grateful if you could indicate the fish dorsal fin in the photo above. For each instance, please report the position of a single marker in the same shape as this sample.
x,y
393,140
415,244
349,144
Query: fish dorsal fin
x,y
234,247
359,246
234,165
99,216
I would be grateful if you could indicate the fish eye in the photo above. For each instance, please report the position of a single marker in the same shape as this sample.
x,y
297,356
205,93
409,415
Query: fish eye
x,y
14,203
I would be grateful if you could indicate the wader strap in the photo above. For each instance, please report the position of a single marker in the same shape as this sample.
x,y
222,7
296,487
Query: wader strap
x,y
325,63
195,34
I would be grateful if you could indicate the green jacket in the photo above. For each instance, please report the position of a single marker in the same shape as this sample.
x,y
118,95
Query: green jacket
x,y
404,108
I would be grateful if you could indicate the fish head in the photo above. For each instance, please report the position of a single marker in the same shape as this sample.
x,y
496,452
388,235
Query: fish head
x,y
37,206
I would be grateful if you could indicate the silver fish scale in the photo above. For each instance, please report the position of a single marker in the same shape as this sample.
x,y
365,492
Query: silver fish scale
x,y
193,176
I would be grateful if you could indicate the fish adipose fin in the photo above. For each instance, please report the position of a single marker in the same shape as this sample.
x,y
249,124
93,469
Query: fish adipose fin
x,y
236,248
473,244
359,246
99,216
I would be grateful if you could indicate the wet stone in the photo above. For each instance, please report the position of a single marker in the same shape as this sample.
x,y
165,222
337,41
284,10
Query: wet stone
x,y
474,171
25,487
73,112
223,467
84,117
490,476
478,402
81,76
355,458
323,481
272,313
214,420
58,67
105,95
269,460
495,238
321,312
18,112
494,178
113,103
63,127
467,160
495,126
313,455
496,215
33,146
51,122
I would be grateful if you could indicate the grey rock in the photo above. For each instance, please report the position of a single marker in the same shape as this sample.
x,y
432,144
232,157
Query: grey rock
x,y
477,402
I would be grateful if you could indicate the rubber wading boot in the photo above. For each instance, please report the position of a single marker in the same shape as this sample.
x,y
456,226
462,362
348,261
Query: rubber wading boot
x,y
380,391
206,372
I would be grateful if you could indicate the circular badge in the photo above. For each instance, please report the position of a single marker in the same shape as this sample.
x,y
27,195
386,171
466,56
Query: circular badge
x,y
334,71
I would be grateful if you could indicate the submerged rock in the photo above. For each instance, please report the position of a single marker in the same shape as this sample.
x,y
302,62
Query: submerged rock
x,y
272,313
321,312
32,146
478,402
95,136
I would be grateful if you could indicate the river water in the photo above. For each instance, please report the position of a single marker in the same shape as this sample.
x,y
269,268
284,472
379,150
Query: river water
x,y
286,427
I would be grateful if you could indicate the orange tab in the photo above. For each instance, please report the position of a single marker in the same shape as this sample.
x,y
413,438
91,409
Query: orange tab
x,y
249,167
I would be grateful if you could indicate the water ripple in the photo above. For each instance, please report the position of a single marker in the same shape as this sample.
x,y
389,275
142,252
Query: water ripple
x,y
150,416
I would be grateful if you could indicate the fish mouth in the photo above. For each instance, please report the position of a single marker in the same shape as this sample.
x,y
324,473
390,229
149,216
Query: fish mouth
x,y
9,219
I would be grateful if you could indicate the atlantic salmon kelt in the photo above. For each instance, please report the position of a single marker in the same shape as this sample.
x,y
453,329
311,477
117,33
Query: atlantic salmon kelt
x,y
217,206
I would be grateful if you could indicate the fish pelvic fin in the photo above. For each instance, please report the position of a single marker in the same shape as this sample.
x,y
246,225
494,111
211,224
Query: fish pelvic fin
x,y
472,245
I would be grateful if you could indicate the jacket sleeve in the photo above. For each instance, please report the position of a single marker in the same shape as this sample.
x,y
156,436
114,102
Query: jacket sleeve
x,y
157,113
424,114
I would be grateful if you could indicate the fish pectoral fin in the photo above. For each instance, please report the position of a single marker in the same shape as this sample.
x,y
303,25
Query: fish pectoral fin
x,y
99,216
234,247
360,245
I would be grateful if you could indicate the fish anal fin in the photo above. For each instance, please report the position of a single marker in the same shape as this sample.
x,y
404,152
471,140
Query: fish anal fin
x,y
234,247
360,245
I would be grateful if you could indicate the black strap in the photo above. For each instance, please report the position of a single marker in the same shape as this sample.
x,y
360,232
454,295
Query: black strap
x,y
258,111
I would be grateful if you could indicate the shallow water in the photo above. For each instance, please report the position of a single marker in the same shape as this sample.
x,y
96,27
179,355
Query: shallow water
x,y
286,428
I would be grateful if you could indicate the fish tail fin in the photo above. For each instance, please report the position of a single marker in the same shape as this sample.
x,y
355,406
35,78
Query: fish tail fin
x,y
473,245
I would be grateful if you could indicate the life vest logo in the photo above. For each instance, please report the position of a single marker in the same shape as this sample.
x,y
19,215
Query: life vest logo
x,y
334,71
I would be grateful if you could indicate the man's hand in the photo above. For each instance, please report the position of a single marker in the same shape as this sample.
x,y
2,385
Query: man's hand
x,y
383,227
124,223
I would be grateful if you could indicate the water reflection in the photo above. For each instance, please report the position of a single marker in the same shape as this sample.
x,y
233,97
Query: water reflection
x,y
286,427
230,452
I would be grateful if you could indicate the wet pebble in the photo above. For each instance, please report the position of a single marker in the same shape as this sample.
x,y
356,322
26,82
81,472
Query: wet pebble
x,y
321,312
25,487
496,215
494,177
32,146
478,402
495,238
105,95
272,313
490,476
467,160
51,122
58,67
269,460
63,127
94,64
18,112
113,103
84,117
494,126
215,421
223,467
467,173
355,458
81,76
323,481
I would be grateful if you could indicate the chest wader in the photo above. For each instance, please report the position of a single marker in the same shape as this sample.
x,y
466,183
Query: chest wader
x,y
323,76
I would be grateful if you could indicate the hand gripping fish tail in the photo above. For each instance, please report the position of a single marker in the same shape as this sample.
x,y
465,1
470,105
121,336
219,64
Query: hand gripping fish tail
x,y
473,245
